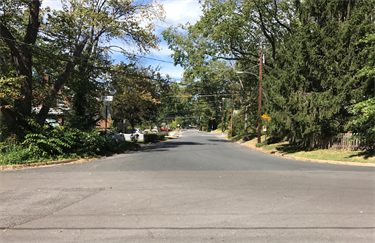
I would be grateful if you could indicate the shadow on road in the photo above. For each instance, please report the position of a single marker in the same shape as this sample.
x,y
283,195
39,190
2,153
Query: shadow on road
x,y
165,146
220,140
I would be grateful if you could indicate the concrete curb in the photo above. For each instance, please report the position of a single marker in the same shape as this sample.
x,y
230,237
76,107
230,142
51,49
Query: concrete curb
x,y
33,165
308,160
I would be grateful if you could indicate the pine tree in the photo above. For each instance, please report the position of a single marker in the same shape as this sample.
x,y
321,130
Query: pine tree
x,y
314,79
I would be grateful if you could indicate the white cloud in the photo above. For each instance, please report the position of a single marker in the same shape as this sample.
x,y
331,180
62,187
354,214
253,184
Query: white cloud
x,y
165,51
53,4
175,72
177,11
182,11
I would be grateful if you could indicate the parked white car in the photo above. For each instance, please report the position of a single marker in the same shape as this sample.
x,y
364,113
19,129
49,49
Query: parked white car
x,y
118,137
155,129
136,131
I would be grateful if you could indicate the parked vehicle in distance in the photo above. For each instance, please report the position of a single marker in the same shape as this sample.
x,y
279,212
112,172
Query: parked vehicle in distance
x,y
118,137
155,129
136,131
165,129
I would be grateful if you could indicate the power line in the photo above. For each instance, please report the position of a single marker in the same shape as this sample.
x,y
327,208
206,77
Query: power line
x,y
193,96
81,58
190,110
173,117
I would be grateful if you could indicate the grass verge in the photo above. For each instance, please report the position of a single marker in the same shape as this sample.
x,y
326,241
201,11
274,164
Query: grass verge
x,y
318,154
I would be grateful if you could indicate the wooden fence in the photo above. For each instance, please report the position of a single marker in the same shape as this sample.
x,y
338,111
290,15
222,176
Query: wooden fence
x,y
343,143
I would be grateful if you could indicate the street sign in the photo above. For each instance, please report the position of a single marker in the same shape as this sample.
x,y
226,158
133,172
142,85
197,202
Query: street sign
x,y
108,110
266,117
106,98
264,128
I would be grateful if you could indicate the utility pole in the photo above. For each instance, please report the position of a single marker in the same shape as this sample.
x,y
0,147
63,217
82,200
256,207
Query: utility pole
x,y
260,90
222,120
231,122
106,117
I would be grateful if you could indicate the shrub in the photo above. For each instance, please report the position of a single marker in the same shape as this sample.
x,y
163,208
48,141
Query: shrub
x,y
258,145
161,136
17,154
63,140
150,137
165,133
59,143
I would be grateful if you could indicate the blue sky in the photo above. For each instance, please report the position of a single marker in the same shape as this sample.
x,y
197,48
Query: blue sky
x,y
177,11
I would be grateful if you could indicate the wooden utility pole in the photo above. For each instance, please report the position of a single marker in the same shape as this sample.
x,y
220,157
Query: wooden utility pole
x,y
231,122
222,120
260,90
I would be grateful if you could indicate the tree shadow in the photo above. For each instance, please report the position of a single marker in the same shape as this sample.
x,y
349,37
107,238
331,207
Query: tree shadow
x,y
289,149
366,154
166,146
219,140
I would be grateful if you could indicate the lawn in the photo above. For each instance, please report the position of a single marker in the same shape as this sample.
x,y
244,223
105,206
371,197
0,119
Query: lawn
x,y
319,154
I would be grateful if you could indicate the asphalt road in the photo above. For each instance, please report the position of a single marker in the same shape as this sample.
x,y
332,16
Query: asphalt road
x,y
196,188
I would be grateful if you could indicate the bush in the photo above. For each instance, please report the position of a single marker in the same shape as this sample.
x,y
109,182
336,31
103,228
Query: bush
x,y
17,154
161,136
150,137
61,140
59,143
258,145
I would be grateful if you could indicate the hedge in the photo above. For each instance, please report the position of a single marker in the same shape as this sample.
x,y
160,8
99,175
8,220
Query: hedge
x,y
152,137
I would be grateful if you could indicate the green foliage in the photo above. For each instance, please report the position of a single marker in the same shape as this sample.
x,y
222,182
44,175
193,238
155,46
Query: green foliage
x,y
315,75
165,133
59,143
150,137
162,135
17,154
264,143
364,121
73,46
137,93
61,140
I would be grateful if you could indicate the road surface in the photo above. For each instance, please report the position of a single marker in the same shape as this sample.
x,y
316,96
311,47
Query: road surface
x,y
196,188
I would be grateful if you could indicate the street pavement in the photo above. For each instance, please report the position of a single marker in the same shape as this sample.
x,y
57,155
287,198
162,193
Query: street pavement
x,y
195,188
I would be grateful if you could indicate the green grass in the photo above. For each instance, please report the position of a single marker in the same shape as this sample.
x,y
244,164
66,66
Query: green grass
x,y
319,154
335,155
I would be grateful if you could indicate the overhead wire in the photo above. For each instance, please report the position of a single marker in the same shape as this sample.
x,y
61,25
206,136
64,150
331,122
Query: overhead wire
x,y
81,58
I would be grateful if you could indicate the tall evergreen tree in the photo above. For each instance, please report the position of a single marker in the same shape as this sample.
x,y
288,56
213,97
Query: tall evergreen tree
x,y
315,77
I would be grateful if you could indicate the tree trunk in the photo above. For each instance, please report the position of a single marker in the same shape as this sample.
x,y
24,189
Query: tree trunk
x,y
246,115
22,61
245,126
60,81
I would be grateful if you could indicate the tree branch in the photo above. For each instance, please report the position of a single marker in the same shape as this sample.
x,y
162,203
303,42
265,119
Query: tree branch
x,y
61,80
15,49
33,25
